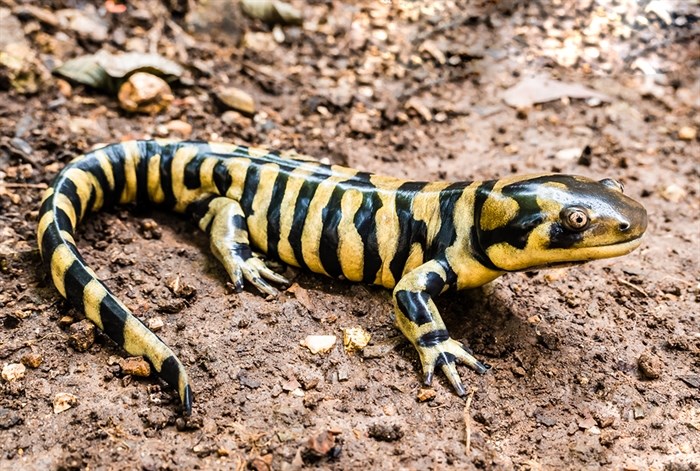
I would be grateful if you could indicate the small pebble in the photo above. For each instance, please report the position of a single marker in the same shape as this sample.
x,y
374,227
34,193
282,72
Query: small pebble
x,y
179,128
145,93
135,366
355,339
32,360
13,372
385,433
319,343
236,99
82,335
687,133
426,394
649,366
156,323
63,401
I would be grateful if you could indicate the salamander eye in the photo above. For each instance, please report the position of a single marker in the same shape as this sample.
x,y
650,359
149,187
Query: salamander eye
x,y
575,218
614,184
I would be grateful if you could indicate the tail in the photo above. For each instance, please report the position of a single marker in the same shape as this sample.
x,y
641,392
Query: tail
x,y
115,174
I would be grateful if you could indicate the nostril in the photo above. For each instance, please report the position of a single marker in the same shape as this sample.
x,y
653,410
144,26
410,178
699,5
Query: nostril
x,y
624,226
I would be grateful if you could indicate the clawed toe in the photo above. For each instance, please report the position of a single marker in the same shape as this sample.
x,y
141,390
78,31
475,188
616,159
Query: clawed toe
x,y
446,355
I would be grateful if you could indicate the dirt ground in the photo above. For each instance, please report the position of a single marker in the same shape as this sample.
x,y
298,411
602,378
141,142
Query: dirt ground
x,y
594,367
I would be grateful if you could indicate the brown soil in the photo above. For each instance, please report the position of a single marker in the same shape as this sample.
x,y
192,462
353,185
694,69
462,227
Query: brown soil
x,y
593,367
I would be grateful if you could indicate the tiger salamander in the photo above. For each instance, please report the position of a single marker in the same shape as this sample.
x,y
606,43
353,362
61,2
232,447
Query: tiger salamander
x,y
418,238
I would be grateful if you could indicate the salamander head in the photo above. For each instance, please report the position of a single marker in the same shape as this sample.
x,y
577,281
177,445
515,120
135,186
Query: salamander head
x,y
553,220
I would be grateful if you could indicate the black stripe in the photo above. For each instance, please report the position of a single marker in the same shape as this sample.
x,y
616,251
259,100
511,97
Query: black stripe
x,y
90,165
414,305
75,280
192,172
366,225
146,150
222,178
273,212
410,229
432,338
328,248
63,221
478,252
69,189
170,371
49,242
447,234
250,188
166,175
113,319
116,156
47,205
301,212
199,208
445,358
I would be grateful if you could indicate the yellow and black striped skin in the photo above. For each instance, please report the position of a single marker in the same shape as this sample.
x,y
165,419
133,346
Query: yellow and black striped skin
x,y
421,239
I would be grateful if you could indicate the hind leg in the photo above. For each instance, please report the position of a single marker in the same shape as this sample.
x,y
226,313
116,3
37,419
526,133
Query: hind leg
x,y
223,219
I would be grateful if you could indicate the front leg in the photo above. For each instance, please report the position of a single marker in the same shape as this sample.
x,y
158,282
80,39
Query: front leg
x,y
419,320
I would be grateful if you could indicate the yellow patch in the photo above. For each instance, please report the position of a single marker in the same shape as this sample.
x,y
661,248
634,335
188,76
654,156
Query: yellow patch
x,y
223,147
258,152
237,169
153,180
183,195
132,157
44,223
84,184
387,237
350,246
62,202
139,341
93,294
106,166
61,260
497,211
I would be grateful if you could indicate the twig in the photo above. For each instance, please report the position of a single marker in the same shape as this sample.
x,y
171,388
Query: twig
x,y
40,186
633,287
467,421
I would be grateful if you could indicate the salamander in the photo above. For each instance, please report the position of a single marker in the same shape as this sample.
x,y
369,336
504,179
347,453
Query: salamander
x,y
419,239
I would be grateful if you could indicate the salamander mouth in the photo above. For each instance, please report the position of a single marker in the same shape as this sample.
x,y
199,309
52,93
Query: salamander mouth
x,y
589,254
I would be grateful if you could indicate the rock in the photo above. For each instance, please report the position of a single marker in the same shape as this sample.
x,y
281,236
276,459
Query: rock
x,y
569,154
135,366
319,343
13,372
86,23
145,93
649,366
156,323
321,445
687,133
179,128
378,351
82,335
425,394
355,339
236,99
9,418
360,123
674,193
385,433
32,360
63,401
